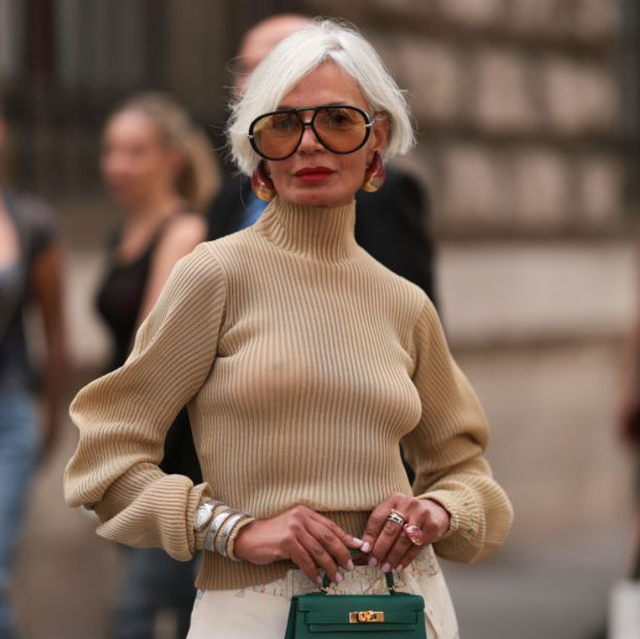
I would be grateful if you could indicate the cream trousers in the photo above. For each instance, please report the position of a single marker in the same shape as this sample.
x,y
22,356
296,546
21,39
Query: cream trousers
x,y
261,611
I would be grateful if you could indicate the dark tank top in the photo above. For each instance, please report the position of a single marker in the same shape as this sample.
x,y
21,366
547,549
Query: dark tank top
x,y
120,296
119,301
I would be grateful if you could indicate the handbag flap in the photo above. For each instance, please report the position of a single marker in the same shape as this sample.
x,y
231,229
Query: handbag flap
x,y
400,611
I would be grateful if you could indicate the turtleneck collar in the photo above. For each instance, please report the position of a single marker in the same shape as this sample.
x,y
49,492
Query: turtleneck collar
x,y
310,231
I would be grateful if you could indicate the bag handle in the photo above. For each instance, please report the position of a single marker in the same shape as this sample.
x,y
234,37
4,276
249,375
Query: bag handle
x,y
391,586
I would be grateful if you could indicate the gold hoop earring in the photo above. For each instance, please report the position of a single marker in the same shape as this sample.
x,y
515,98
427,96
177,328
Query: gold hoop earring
x,y
375,175
262,184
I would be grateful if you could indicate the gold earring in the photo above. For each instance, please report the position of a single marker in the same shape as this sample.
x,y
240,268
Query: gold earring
x,y
374,175
262,184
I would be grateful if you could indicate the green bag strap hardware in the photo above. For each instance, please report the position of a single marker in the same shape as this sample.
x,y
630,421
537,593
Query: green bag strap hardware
x,y
391,586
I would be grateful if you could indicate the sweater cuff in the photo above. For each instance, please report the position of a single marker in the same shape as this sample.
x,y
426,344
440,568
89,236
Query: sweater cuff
x,y
462,517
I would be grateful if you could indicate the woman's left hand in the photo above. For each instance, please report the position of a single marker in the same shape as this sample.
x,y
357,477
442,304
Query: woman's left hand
x,y
390,546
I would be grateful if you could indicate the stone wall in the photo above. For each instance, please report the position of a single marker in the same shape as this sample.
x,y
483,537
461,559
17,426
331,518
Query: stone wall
x,y
518,104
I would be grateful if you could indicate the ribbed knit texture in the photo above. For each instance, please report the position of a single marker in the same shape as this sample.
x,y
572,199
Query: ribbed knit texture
x,y
304,363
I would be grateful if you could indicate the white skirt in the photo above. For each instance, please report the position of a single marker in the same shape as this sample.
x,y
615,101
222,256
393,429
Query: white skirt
x,y
262,610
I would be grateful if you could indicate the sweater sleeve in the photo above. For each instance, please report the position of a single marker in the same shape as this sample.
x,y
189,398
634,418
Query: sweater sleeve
x,y
446,449
123,417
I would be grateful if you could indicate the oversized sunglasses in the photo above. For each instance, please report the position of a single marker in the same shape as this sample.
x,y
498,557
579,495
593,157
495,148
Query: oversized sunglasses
x,y
340,129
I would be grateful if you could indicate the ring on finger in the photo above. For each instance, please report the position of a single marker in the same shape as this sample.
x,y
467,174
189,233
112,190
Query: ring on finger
x,y
400,514
396,518
415,535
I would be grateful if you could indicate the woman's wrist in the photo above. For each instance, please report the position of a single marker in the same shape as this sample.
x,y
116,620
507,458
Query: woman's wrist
x,y
237,534
441,516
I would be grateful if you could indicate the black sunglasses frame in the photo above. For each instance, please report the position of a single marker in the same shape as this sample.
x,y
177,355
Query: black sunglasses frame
x,y
368,124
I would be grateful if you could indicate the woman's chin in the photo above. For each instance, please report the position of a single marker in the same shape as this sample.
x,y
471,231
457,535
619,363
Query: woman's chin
x,y
322,198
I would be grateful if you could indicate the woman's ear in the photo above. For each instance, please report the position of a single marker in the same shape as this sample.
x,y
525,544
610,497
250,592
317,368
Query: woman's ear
x,y
380,133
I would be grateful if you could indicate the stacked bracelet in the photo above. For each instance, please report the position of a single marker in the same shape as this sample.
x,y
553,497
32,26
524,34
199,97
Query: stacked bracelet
x,y
221,529
223,535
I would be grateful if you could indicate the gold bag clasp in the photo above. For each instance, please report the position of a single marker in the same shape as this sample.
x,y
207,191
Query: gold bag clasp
x,y
366,616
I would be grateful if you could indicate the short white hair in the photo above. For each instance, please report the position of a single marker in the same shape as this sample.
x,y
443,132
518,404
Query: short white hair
x,y
297,56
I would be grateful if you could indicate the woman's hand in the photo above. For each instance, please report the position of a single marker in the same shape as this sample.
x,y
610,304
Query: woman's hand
x,y
385,541
305,537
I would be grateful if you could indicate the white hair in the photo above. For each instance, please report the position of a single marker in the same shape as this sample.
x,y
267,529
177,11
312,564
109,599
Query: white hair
x,y
297,56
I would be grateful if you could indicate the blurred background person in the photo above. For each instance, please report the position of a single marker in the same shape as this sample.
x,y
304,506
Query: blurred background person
x,y
158,167
629,430
31,259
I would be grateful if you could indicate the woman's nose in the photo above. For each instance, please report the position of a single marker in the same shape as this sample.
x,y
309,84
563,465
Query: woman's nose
x,y
309,141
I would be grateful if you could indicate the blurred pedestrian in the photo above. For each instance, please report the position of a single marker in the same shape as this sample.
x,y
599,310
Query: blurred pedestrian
x,y
158,167
31,274
629,428
304,363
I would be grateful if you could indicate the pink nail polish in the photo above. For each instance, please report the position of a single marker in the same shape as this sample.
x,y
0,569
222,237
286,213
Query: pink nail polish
x,y
358,541
373,561
386,567
350,566
338,578
399,568
366,547
319,580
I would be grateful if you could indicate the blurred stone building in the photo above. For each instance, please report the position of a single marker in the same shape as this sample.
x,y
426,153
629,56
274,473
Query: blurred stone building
x,y
527,113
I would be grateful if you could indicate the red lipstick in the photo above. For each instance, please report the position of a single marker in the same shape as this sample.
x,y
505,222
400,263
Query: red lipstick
x,y
314,174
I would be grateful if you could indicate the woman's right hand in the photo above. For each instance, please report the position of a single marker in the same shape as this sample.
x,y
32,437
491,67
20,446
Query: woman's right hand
x,y
302,535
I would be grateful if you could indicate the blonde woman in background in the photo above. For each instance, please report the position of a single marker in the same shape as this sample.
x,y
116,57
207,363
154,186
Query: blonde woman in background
x,y
157,165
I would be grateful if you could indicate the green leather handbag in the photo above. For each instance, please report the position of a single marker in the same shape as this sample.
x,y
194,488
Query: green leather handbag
x,y
318,615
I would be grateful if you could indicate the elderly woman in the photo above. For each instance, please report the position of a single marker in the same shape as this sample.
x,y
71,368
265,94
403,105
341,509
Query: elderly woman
x,y
304,363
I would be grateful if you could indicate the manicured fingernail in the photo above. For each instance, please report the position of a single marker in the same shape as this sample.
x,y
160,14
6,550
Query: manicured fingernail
x,y
338,578
399,568
319,579
358,541
373,561
386,567
366,547
350,566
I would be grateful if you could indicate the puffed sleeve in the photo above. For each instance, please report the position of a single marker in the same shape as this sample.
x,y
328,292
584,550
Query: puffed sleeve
x,y
123,417
446,449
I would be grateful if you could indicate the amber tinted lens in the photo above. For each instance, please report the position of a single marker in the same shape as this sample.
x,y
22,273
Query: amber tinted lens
x,y
341,129
277,135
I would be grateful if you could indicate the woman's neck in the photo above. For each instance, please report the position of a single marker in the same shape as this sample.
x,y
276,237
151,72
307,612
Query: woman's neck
x,y
325,234
154,209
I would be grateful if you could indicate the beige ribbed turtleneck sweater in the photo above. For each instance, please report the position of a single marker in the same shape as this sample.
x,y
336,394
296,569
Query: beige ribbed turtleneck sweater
x,y
304,363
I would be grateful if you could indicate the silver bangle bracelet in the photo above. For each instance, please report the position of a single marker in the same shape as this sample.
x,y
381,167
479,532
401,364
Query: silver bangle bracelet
x,y
217,522
204,513
223,536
